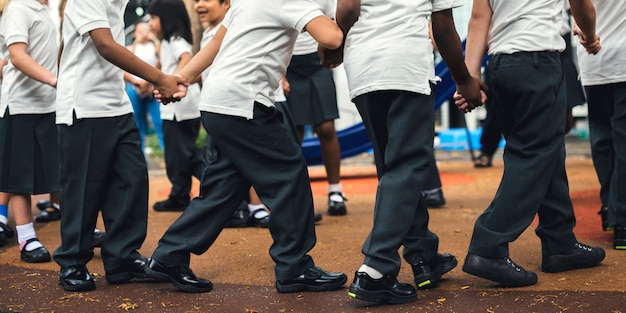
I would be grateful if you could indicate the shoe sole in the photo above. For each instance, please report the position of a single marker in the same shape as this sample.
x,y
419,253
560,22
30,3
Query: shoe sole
x,y
83,287
379,297
496,278
432,280
37,260
570,267
184,288
302,287
126,278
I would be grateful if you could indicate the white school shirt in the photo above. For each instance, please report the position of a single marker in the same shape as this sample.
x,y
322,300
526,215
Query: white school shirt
x,y
186,108
389,48
305,44
254,54
609,65
29,22
89,85
526,26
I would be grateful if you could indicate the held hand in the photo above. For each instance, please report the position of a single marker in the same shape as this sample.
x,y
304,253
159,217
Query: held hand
x,y
470,94
168,90
591,46
330,58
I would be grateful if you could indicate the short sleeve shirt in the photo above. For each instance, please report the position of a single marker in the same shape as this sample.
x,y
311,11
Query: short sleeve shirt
x,y
254,54
389,48
28,22
526,26
609,65
186,108
207,36
89,85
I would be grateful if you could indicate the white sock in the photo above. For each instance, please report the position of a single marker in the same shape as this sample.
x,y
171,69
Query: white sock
x,y
255,209
4,219
372,272
26,232
334,187
431,191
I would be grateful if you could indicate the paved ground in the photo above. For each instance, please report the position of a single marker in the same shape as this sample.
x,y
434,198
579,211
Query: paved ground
x,y
242,270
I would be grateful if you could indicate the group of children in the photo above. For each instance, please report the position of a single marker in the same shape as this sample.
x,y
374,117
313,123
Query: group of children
x,y
389,65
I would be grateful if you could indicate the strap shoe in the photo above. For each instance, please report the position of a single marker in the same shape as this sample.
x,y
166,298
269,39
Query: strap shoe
x,y
386,289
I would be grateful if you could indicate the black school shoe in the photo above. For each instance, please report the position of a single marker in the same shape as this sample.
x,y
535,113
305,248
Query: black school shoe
x,y
383,290
182,277
76,278
172,204
604,216
500,270
5,234
337,208
47,216
129,273
38,255
619,238
428,274
314,279
434,199
579,256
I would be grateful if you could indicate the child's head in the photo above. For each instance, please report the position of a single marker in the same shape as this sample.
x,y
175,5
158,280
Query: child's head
x,y
211,12
142,32
169,18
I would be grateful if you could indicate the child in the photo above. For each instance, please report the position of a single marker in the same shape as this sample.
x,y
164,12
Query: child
x,y
146,46
28,146
102,165
390,71
524,44
251,146
181,122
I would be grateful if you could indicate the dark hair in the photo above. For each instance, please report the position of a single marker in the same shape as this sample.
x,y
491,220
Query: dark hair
x,y
175,20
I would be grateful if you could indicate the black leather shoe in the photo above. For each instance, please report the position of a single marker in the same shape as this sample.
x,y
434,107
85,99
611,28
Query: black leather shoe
x,y
172,204
262,222
97,239
48,216
337,207
579,256
240,216
38,255
434,199
501,270
130,273
76,278
181,276
383,290
428,274
604,215
3,239
317,217
313,279
8,231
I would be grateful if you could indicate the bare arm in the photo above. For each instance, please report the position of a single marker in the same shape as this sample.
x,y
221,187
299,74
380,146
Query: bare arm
x,y
204,58
347,14
325,31
27,65
584,14
451,50
477,36
126,60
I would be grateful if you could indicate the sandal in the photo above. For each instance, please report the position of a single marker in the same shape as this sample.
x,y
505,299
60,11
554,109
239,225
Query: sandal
x,y
46,215
482,161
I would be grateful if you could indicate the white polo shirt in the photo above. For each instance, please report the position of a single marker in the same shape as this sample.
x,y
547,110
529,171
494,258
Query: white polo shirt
x,y
389,47
187,108
526,25
89,85
254,54
29,22
609,65
305,44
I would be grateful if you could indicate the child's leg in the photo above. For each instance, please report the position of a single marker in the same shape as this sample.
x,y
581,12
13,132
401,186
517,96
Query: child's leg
x,y
5,230
331,156
31,250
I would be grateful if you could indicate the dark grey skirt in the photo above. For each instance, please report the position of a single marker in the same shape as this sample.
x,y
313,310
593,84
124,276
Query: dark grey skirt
x,y
29,154
312,98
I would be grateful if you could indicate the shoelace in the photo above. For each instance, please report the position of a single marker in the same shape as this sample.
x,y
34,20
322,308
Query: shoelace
x,y
513,265
583,247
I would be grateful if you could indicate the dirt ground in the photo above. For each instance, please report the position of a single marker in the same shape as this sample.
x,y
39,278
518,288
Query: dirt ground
x,y
242,271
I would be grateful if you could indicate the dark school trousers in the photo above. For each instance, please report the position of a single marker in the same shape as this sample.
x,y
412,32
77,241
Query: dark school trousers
x,y
102,169
183,159
607,135
259,153
400,126
530,99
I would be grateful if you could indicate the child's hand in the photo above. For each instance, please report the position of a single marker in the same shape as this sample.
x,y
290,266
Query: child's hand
x,y
592,46
470,95
330,58
171,88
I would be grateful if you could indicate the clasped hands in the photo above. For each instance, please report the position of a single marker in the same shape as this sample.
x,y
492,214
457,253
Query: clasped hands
x,y
470,94
170,88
